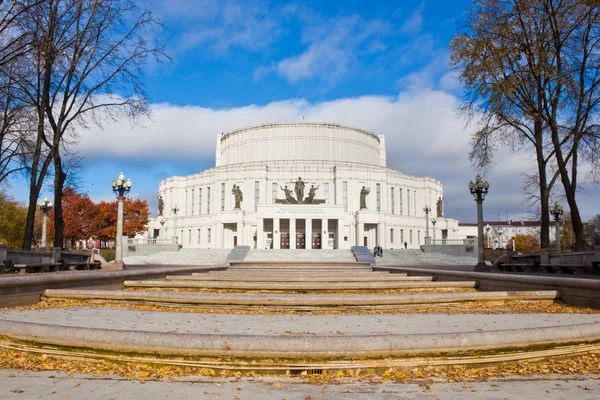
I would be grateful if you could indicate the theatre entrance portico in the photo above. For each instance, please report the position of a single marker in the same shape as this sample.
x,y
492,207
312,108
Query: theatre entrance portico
x,y
294,226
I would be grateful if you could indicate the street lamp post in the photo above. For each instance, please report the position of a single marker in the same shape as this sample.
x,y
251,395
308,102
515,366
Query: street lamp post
x,y
479,189
120,187
174,237
45,205
557,211
426,209
433,222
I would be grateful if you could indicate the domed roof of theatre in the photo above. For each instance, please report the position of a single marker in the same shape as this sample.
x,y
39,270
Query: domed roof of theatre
x,y
283,127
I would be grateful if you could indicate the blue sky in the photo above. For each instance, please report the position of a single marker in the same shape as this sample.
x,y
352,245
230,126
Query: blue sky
x,y
380,66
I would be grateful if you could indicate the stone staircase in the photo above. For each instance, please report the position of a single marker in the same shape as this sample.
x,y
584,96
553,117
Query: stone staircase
x,y
182,257
418,257
300,255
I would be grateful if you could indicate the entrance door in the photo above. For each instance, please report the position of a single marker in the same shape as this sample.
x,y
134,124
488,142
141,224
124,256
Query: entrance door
x,y
285,241
365,241
234,241
300,241
316,241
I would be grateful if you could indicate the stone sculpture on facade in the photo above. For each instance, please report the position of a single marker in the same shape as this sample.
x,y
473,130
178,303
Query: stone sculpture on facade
x,y
440,207
289,199
299,190
161,205
238,197
310,199
363,197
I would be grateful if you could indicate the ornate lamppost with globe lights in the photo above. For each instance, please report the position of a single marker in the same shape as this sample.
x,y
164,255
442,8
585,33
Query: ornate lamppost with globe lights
x,y
557,211
120,187
433,222
45,205
427,209
479,190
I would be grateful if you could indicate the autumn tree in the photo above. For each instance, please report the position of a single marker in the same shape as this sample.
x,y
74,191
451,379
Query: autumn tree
x,y
592,231
525,243
78,213
531,72
12,221
135,219
87,67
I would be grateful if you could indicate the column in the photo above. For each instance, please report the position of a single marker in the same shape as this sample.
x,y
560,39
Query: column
x,y
292,233
260,237
325,234
308,233
240,234
360,233
381,235
219,236
340,234
276,234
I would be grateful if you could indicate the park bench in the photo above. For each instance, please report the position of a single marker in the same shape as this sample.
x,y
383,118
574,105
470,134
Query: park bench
x,y
6,266
79,265
522,263
572,268
36,267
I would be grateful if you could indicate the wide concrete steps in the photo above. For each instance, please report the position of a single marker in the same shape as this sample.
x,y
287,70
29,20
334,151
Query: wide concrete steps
x,y
295,301
216,257
417,257
358,277
300,265
287,255
309,286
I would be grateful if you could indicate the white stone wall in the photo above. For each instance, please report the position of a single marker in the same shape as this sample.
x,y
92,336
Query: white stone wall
x,y
193,221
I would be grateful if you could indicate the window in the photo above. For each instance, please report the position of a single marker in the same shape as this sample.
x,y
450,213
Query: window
x,y
209,237
256,194
192,203
199,239
408,202
345,194
391,236
208,200
200,201
415,202
345,238
401,236
393,200
326,192
189,236
418,237
400,203
378,187
410,236
274,192
222,197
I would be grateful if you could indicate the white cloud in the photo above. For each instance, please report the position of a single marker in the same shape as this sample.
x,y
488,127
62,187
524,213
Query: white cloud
x,y
424,137
223,25
333,46
414,22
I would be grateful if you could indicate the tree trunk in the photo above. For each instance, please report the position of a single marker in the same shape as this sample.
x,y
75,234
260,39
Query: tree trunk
x,y
543,186
35,182
59,180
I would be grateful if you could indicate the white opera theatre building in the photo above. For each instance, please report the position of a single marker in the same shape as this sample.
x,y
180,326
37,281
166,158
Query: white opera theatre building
x,y
300,186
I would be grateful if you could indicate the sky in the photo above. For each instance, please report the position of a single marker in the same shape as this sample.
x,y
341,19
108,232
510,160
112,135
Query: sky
x,y
382,66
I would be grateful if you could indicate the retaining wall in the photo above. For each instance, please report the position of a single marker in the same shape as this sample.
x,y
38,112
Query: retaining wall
x,y
18,290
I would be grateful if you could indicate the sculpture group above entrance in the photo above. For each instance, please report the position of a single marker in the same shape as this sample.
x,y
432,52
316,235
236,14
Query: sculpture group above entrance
x,y
299,192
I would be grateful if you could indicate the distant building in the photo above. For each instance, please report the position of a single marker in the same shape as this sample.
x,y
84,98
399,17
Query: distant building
x,y
300,186
498,233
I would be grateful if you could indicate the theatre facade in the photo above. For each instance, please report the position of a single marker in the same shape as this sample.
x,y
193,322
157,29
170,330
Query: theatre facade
x,y
300,186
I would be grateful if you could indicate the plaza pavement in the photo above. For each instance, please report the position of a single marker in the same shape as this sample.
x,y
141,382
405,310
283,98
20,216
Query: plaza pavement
x,y
18,385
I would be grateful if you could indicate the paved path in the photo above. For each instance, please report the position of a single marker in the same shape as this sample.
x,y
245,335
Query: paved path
x,y
15,385
281,324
